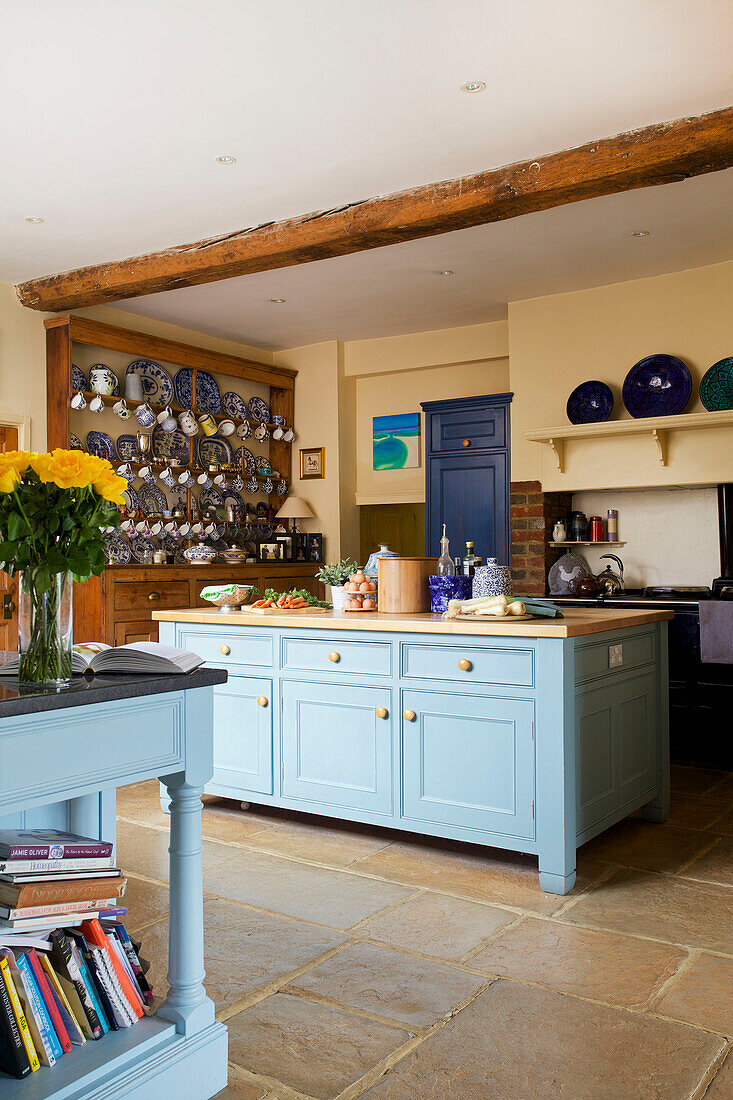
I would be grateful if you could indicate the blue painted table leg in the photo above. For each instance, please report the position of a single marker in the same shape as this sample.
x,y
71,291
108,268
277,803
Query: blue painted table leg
x,y
657,809
555,754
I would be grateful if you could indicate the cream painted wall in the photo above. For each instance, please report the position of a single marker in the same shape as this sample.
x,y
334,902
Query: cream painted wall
x,y
23,364
671,535
561,340
418,350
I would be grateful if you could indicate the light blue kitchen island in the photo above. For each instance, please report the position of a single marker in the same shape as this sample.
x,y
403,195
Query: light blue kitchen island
x,y
532,736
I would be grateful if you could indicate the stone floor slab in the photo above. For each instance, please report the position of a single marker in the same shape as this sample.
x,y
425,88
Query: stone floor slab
x,y
693,914
322,843
146,903
517,1041
375,979
144,851
715,865
243,950
141,802
636,843
314,1048
692,811
724,824
689,780
436,924
722,1084
240,1090
299,890
702,995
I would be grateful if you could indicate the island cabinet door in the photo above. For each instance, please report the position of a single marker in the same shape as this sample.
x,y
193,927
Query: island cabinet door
x,y
469,762
243,735
337,745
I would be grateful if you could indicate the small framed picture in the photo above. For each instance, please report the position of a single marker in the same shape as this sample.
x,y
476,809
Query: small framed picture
x,y
315,547
312,463
271,551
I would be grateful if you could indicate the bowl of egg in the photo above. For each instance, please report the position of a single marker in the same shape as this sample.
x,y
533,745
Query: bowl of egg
x,y
360,593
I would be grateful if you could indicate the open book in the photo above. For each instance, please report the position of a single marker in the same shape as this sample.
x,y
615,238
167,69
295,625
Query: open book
x,y
136,657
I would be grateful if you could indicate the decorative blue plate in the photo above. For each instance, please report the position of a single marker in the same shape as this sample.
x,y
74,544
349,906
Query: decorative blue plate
x,y
133,504
167,445
127,448
116,549
140,549
101,445
234,498
208,397
660,385
152,499
589,403
78,378
213,448
75,444
716,387
258,410
210,497
246,459
263,464
156,383
234,405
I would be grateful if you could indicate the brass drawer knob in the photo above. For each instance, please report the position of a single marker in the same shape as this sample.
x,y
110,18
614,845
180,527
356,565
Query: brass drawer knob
x,y
261,700
382,712
225,649
466,442
465,665
334,656
153,595
408,715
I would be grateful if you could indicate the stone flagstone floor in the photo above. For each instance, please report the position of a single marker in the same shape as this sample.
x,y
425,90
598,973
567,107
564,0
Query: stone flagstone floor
x,y
349,961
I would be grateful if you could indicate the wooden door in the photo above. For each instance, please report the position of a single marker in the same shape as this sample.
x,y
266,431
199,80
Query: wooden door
x,y
469,494
8,585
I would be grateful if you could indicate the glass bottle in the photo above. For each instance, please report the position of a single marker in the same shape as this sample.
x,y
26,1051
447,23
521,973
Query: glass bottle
x,y
446,568
470,561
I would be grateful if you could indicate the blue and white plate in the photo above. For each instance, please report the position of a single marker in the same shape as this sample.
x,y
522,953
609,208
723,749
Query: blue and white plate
x,y
156,382
78,378
233,498
127,448
131,499
152,499
210,497
259,410
168,445
660,385
213,448
589,403
208,397
234,405
101,445
173,546
75,444
281,488
253,485
247,460
116,549
264,466
140,549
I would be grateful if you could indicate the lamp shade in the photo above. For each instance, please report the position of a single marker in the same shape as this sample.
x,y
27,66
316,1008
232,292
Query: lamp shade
x,y
294,508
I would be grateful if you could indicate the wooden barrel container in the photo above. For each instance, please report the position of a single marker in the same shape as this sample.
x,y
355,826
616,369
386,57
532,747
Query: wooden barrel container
x,y
403,587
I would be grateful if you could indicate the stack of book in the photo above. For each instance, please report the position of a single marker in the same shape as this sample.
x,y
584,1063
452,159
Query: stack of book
x,y
69,971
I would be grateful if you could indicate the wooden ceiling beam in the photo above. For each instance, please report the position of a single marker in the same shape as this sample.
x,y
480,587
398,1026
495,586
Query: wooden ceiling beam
x,y
659,154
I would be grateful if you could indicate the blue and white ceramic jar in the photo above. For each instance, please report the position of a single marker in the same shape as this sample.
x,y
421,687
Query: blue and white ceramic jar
x,y
492,579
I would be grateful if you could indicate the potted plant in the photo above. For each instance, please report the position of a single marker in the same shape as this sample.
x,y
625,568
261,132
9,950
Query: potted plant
x,y
52,509
336,575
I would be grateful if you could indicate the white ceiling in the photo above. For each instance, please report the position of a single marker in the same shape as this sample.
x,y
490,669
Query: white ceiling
x,y
113,114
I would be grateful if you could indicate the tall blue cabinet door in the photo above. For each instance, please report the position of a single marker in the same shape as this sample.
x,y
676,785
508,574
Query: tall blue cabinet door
x,y
469,494
469,761
337,745
243,735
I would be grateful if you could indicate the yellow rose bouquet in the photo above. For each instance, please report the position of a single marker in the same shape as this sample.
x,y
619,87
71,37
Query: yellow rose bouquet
x,y
52,509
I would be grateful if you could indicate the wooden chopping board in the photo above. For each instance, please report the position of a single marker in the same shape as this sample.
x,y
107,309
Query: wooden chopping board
x,y
285,610
491,618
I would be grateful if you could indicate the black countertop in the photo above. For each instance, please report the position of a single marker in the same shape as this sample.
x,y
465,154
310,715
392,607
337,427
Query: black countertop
x,y
18,699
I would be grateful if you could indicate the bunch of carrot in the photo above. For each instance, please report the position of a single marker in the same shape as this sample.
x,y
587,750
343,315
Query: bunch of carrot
x,y
286,602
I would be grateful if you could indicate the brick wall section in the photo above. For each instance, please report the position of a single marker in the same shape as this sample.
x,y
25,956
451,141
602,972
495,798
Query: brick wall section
x,y
533,515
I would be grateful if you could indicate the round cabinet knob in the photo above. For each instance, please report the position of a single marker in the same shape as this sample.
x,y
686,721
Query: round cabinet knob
x,y
261,700
225,649
334,656
382,712
465,665
153,595
408,715
466,442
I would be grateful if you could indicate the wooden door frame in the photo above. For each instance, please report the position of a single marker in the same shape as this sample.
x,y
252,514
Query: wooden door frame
x,y
21,423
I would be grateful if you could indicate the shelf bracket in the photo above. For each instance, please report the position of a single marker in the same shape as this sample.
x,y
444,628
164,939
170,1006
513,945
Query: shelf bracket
x,y
558,449
659,436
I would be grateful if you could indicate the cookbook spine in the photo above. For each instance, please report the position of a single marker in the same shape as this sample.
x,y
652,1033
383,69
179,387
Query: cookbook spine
x,y
40,866
19,1014
56,852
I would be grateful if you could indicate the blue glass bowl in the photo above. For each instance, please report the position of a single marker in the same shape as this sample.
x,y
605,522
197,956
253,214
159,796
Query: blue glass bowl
x,y
589,403
660,385
716,387
443,589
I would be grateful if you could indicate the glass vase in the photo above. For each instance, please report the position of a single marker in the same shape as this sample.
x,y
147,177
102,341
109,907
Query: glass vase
x,y
45,630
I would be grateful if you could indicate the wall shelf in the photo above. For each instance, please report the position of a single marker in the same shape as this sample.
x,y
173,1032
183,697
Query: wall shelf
x,y
657,428
587,542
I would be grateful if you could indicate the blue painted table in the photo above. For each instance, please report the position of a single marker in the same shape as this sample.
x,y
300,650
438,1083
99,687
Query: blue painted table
x,y
62,755
532,736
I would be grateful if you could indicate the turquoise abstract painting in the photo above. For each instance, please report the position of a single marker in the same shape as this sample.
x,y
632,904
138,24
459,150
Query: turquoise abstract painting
x,y
396,441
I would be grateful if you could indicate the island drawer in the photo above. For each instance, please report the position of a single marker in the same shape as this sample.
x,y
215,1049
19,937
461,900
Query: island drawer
x,y
228,647
468,664
337,656
605,658
155,595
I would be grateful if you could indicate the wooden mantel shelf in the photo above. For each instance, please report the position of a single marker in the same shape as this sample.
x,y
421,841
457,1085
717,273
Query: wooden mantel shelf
x,y
656,427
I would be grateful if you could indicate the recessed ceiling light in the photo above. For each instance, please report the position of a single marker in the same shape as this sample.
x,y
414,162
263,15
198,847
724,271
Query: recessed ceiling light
x,y
446,272
34,221
225,159
640,233
277,301
473,86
